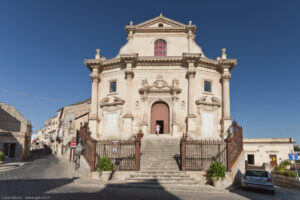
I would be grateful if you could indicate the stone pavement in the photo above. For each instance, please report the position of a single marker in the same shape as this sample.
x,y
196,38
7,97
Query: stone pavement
x,y
8,165
49,177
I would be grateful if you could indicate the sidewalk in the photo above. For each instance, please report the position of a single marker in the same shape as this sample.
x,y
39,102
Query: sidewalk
x,y
8,165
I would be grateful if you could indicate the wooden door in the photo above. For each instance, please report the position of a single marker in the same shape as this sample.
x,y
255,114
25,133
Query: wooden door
x,y
273,161
160,112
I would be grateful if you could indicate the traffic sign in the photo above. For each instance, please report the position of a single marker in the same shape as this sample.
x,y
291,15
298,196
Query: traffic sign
x,y
73,144
293,156
115,143
115,150
79,147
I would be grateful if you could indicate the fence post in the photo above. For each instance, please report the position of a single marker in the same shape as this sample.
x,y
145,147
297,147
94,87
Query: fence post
x,y
70,154
246,164
228,141
183,152
62,149
137,153
93,155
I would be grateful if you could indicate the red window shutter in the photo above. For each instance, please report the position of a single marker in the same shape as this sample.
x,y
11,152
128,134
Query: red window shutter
x,y
160,48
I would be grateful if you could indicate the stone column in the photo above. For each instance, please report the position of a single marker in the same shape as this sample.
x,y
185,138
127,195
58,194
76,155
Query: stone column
x,y
174,117
93,121
191,117
128,118
226,119
145,116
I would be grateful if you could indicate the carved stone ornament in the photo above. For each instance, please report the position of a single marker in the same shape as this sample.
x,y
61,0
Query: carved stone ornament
x,y
226,76
111,101
209,101
129,74
94,77
160,85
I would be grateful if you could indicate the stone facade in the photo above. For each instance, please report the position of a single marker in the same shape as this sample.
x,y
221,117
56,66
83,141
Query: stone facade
x,y
160,63
267,150
15,133
70,118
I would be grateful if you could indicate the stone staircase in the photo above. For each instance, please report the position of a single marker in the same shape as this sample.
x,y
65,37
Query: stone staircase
x,y
158,163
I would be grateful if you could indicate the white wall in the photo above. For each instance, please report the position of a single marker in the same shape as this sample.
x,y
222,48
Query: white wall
x,y
262,151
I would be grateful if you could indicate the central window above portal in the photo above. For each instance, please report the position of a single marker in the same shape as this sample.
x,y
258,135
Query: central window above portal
x,y
160,48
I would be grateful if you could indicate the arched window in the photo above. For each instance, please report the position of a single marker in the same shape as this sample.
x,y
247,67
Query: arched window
x,y
160,48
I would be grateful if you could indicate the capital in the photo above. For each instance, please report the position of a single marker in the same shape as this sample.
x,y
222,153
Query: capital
x,y
191,74
129,74
226,76
94,77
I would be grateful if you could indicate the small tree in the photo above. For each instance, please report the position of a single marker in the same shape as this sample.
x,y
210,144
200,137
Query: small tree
x,y
2,156
296,148
217,170
286,162
104,164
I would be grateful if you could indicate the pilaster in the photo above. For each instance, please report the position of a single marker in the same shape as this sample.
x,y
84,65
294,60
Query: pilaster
x,y
94,65
129,61
226,66
191,60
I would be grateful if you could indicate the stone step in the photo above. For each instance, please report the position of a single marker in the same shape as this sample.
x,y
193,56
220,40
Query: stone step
x,y
169,177
160,172
162,179
165,181
160,176
160,168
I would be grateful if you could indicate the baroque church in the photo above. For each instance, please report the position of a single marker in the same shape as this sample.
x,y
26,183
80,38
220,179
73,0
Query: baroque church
x,y
160,77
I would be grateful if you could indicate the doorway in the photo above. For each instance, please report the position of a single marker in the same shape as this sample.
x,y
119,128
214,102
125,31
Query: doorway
x,y
161,126
273,161
9,149
160,115
250,159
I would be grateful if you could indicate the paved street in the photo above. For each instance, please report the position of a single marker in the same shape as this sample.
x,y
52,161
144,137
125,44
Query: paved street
x,y
46,177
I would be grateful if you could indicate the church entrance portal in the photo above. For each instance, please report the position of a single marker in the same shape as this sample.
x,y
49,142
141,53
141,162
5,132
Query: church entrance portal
x,y
160,116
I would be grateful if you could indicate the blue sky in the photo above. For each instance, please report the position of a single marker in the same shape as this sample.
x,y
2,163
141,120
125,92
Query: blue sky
x,y
43,44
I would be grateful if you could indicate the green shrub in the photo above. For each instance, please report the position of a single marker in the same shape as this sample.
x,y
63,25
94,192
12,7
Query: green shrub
x,y
284,163
104,164
296,148
290,173
283,171
217,170
2,156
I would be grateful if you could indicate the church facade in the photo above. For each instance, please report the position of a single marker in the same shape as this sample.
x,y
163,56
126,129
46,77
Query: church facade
x,y
160,77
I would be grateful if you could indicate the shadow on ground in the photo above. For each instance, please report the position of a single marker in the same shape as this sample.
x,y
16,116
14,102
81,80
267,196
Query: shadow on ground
x,y
52,189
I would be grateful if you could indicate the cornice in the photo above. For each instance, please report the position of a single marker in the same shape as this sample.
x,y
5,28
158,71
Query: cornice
x,y
161,61
227,63
132,57
145,27
92,62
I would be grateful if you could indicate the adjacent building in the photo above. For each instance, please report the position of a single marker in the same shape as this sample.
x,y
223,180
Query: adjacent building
x,y
71,117
15,133
161,77
267,150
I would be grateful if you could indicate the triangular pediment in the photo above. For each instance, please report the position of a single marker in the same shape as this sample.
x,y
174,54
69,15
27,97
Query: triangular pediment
x,y
160,20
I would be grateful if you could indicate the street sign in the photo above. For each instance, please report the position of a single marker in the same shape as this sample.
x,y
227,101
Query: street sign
x,y
293,156
73,144
79,147
115,143
115,150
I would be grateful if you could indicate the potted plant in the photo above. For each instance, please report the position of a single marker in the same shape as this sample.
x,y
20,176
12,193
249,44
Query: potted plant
x,y
217,172
105,167
2,157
